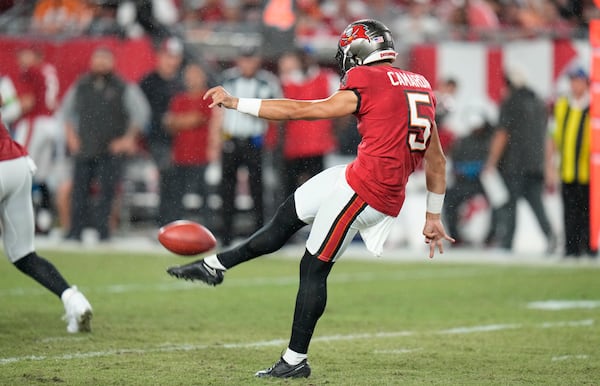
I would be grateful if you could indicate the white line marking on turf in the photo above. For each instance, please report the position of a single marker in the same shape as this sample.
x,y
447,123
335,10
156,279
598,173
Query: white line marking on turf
x,y
491,327
557,305
397,351
567,357
578,323
62,339
275,342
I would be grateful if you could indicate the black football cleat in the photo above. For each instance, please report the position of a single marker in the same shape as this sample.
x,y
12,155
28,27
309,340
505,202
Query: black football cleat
x,y
198,270
282,370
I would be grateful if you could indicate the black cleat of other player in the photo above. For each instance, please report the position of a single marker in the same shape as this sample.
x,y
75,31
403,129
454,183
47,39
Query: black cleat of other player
x,y
198,270
282,370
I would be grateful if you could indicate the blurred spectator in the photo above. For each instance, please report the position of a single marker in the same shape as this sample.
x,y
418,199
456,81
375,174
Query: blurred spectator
x,y
386,11
61,16
166,12
196,137
6,5
446,98
11,109
37,129
445,113
249,11
206,11
417,25
339,13
554,22
305,143
244,136
105,21
278,27
160,86
468,155
311,20
482,16
517,150
572,140
103,116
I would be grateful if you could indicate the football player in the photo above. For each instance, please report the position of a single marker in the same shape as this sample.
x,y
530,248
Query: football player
x,y
395,111
37,129
17,228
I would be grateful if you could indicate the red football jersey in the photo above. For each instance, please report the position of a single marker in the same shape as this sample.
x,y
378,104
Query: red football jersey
x,y
33,81
189,146
9,149
396,111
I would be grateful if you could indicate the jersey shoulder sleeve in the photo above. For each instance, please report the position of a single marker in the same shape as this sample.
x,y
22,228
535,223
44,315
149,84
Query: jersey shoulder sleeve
x,y
355,78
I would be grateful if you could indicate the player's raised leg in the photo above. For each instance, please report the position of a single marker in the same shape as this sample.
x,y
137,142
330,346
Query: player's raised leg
x,y
268,239
296,212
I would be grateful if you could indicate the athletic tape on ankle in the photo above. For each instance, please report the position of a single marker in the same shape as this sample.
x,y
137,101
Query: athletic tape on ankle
x,y
435,202
249,106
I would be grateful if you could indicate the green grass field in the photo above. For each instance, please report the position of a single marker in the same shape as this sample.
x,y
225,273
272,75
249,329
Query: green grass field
x,y
386,323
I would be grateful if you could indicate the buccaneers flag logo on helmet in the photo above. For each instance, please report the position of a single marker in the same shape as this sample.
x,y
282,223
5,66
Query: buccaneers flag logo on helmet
x,y
358,31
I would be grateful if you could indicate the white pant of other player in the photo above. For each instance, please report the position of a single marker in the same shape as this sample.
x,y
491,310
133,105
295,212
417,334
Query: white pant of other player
x,y
323,199
39,136
16,208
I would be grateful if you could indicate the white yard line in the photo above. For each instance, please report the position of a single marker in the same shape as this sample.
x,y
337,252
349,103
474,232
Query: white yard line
x,y
280,342
397,351
577,323
488,328
568,357
558,305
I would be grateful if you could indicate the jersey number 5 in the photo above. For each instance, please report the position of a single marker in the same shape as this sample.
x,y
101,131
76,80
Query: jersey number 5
x,y
419,126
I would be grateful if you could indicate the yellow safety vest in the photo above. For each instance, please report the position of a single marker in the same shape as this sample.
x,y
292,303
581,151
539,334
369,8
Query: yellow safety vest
x,y
572,138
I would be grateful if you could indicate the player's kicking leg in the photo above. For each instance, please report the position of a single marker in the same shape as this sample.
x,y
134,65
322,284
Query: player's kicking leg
x,y
268,239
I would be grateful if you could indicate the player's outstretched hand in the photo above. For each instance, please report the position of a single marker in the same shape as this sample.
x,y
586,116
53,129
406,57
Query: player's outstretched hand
x,y
220,97
435,233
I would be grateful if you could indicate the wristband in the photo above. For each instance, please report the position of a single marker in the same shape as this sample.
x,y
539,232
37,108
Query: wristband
x,y
435,202
249,106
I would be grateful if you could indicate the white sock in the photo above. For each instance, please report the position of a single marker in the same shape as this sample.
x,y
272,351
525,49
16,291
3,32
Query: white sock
x,y
213,262
293,358
67,293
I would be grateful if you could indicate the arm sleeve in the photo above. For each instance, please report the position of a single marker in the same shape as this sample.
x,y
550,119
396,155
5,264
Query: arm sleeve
x,y
137,106
66,112
354,79
11,109
272,87
503,117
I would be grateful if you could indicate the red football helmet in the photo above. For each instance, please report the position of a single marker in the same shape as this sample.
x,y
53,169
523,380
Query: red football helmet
x,y
363,42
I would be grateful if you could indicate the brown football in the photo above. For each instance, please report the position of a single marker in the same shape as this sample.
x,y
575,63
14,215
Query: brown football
x,y
186,238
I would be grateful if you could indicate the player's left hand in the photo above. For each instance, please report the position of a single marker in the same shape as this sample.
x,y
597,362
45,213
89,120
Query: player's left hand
x,y
220,97
435,234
